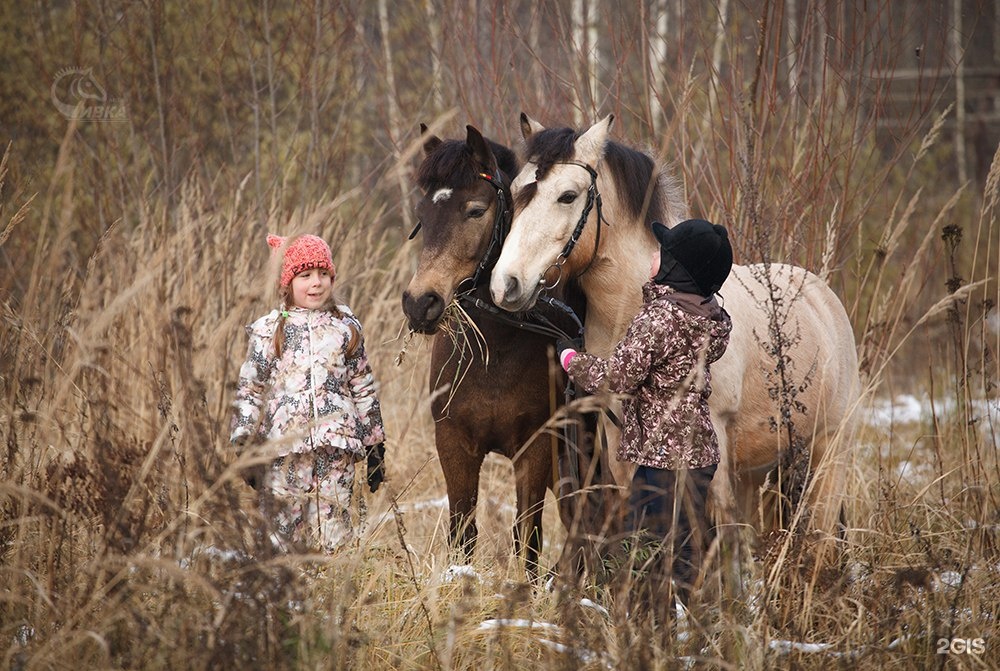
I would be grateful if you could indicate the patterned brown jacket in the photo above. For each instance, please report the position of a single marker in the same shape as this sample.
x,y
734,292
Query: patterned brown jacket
x,y
662,363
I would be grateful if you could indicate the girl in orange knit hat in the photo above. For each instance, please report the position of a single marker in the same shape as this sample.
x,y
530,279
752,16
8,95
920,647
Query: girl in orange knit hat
x,y
307,388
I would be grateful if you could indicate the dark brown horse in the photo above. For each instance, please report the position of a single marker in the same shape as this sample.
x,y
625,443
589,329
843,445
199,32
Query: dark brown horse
x,y
494,384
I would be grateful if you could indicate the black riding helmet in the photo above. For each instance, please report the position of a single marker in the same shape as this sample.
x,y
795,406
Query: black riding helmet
x,y
695,256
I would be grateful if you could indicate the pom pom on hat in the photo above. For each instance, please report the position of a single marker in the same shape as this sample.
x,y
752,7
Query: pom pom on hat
x,y
302,253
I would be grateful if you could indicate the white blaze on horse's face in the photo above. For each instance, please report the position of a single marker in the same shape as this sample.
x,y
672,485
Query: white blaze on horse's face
x,y
542,227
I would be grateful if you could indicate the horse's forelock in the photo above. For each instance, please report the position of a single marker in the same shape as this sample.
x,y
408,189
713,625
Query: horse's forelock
x,y
450,164
551,146
506,159
525,195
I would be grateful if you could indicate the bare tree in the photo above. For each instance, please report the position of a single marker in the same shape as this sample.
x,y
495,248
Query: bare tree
x,y
958,59
658,61
394,115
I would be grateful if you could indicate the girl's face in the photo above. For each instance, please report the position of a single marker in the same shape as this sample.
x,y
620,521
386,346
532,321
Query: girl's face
x,y
654,264
312,288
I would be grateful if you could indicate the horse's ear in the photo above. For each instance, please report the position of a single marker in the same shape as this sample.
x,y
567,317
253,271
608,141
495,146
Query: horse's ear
x,y
481,151
431,142
589,147
529,126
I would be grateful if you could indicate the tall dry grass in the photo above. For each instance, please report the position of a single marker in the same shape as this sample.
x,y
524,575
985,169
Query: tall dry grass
x,y
127,538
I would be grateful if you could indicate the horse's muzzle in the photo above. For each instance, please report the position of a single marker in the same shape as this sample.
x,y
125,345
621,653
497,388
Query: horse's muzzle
x,y
512,296
423,312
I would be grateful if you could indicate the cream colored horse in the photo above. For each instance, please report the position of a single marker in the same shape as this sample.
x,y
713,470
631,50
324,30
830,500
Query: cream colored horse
x,y
611,261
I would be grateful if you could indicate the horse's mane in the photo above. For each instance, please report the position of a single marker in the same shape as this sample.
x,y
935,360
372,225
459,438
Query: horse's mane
x,y
451,165
631,169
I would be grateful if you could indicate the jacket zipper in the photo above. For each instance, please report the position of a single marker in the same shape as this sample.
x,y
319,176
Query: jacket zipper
x,y
312,383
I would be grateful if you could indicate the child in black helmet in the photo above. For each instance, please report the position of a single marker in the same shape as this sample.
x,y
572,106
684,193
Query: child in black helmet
x,y
662,363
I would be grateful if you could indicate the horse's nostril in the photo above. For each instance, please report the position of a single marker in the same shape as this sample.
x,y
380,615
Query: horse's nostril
x,y
433,306
513,288
423,310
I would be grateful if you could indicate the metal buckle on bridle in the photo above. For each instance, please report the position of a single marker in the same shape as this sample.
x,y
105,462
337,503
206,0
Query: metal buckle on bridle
x,y
558,265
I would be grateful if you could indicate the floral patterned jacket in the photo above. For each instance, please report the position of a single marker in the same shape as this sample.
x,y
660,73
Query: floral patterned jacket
x,y
662,363
314,395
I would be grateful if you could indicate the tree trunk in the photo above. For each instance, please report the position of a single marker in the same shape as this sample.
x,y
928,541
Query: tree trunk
x,y
394,116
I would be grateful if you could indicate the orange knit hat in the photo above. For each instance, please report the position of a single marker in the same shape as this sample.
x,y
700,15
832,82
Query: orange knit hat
x,y
302,253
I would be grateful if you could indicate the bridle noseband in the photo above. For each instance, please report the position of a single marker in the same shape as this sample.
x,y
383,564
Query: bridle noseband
x,y
593,198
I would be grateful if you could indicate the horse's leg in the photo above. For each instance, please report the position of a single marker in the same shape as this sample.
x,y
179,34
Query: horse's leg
x,y
532,474
723,498
460,462
826,494
722,492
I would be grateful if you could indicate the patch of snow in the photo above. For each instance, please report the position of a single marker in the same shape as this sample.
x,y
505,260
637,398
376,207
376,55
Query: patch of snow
x,y
584,655
507,623
906,470
951,579
587,603
424,505
903,409
24,634
785,647
213,552
457,571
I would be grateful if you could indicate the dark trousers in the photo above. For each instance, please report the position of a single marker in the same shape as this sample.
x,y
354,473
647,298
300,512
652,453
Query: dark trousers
x,y
667,510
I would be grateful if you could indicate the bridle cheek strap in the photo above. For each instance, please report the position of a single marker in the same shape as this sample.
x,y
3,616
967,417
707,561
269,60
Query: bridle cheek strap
x,y
501,227
593,199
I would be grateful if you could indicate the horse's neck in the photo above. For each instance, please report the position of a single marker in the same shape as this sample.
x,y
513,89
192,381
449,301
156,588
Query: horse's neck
x,y
614,296
613,285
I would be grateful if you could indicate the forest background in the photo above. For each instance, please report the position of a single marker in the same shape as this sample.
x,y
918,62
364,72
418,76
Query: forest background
x,y
150,146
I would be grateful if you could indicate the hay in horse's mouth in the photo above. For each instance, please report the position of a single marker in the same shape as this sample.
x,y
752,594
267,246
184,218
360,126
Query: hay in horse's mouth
x,y
457,325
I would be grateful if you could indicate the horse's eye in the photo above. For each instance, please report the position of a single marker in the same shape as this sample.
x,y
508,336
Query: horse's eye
x,y
567,197
476,213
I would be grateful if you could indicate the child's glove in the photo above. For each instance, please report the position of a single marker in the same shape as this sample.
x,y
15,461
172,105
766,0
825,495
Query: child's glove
x,y
376,466
252,475
567,349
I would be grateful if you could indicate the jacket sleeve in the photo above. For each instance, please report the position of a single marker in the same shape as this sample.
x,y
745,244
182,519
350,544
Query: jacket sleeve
x,y
720,337
254,376
627,366
364,389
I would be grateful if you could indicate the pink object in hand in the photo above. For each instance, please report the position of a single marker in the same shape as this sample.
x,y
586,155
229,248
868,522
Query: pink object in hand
x,y
565,357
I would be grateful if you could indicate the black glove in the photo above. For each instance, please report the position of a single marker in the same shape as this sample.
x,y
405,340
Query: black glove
x,y
253,475
572,343
376,466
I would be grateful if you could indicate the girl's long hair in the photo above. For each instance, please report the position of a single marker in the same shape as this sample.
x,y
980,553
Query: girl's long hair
x,y
331,306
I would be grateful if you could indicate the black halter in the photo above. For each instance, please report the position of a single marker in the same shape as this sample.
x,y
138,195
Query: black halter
x,y
593,198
